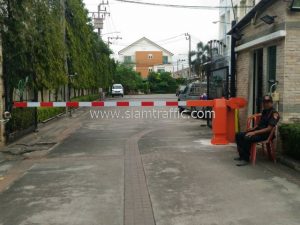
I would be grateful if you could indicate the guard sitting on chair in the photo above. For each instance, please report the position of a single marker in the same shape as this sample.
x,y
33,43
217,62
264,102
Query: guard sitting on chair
x,y
269,119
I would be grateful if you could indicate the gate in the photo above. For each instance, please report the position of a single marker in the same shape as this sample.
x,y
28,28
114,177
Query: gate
x,y
217,86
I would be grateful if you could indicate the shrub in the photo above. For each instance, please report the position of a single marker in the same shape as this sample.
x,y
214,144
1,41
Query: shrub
x,y
290,135
22,118
86,98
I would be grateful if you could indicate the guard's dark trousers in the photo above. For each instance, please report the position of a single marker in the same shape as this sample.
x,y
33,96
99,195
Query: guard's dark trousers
x,y
244,143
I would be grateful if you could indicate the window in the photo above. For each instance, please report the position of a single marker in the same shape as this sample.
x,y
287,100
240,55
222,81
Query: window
x,y
295,5
117,86
127,59
272,61
150,56
161,70
165,59
150,69
197,90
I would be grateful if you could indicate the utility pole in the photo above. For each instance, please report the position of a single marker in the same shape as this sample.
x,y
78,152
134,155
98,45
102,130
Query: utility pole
x,y
179,60
100,16
112,38
67,90
189,38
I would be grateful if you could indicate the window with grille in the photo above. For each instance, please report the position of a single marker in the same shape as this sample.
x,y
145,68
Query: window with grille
x,y
127,59
165,60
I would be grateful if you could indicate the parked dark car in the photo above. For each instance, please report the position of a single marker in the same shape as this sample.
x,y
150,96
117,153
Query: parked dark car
x,y
180,89
193,91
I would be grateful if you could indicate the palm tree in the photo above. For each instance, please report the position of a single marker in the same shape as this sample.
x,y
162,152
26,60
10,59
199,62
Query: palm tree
x,y
202,57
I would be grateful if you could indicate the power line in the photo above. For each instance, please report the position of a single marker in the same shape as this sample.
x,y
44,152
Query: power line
x,y
181,6
146,45
170,38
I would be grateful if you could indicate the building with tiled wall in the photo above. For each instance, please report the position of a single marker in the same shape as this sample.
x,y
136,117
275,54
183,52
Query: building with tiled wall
x,y
268,50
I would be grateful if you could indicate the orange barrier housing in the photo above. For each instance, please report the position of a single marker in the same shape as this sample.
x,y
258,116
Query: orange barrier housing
x,y
223,125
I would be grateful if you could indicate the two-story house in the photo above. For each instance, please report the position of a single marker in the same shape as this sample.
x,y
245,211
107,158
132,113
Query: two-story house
x,y
146,56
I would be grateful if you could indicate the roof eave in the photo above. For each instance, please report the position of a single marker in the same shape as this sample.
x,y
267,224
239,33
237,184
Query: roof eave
x,y
165,50
247,18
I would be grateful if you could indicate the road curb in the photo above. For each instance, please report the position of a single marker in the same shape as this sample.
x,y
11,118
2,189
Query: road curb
x,y
2,158
291,163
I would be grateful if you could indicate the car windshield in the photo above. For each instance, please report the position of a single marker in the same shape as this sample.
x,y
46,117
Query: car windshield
x,y
117,87
182,88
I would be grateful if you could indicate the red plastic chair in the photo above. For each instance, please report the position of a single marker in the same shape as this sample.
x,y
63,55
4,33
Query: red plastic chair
x,y
253,121
268,145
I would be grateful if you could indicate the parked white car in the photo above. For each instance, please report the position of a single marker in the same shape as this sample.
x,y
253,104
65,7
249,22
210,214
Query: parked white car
x,y
117,90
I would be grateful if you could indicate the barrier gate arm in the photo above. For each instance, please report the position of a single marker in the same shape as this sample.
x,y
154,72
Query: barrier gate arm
x,y
224,111
193,103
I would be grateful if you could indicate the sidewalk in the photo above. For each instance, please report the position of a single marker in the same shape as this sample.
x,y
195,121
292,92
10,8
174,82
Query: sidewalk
x,y
37,145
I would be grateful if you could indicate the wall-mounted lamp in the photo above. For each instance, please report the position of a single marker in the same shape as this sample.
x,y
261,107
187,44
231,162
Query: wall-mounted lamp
x,y
295,6
268,19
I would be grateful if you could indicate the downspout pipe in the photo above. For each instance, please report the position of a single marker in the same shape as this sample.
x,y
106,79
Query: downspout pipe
x,y
233,64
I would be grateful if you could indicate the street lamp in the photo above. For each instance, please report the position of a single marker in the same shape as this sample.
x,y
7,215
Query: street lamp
x,y
115,32
188,37
215,22
70,77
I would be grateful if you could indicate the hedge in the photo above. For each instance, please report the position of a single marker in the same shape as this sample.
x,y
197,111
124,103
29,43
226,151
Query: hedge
x,y
290,135
22,118
47,113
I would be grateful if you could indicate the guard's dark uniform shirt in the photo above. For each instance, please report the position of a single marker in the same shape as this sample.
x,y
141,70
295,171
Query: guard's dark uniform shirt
x,y
269,117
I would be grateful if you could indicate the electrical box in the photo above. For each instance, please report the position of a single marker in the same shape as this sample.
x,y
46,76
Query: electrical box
x,y
276,96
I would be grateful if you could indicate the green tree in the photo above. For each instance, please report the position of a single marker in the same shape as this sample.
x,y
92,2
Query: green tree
x,y
130,79
162,83
202,57
41,37
88,56
34,46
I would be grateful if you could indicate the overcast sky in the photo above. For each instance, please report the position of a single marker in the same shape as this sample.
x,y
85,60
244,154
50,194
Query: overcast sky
x,y
160,23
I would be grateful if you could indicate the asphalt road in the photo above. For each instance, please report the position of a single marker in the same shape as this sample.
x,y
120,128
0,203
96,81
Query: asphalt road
x,y
142,171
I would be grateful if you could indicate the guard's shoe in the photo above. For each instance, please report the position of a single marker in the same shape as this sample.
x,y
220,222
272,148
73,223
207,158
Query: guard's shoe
x,y
238,159
243,163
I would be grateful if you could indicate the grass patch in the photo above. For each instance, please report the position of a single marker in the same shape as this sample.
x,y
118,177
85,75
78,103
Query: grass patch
x,y
47,113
